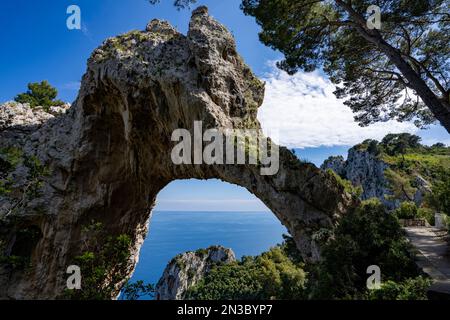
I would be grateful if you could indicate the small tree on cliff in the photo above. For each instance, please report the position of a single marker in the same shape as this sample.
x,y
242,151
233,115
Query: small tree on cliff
x,y
39,94
400,71
179,4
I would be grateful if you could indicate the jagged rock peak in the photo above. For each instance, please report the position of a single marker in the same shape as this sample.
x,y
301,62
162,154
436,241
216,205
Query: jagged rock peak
x,y
185,270
160,26
368,170
202,10
17,114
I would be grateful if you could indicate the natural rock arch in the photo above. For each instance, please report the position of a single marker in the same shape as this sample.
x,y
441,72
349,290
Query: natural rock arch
x,y
109,155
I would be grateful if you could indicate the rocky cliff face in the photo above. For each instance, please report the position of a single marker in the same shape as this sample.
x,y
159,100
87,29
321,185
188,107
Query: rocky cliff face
x,y
368,170
109,155
185,270
13,114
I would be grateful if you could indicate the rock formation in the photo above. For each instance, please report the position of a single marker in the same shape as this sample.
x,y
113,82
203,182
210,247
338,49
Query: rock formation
x,y
363,169
367,170
108,156
185,270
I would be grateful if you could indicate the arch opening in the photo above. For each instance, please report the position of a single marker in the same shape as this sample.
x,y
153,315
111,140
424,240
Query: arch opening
x,y
196,214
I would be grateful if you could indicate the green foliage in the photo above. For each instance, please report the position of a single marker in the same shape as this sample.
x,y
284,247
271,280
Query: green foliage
x,y
394,144
431,163
179,4
407,159
407,210
400,185
368,236
37,171
4,188
12,156
425,163
348,186
364,64
373,147
272,275
201,252
180,262
103,262
136,290
427,214
9,159
290,249
410,289
232,281
440,196
39,94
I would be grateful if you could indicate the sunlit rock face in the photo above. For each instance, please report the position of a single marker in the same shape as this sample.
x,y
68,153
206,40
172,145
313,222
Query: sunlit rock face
x,y
363,169
368,170
187,269
108,156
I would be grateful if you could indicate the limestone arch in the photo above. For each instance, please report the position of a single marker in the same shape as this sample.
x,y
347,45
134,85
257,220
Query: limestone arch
x,y
109,155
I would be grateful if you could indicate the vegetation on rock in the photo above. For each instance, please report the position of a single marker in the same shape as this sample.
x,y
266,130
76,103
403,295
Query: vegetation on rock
x,y
413,173
40,94
12,158
368,236
104,261
271,275
348,186
439,198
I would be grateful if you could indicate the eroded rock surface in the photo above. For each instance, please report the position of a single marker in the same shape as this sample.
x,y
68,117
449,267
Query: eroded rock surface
x,y
186,269
368,170
364,169
108,156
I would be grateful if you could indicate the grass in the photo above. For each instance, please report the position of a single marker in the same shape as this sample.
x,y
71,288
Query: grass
x,y
427,165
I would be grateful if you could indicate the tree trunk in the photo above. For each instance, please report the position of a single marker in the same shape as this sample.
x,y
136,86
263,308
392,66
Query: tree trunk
x,y
440,109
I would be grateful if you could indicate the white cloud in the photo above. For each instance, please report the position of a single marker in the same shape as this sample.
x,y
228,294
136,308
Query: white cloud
x,y
72,85
305,113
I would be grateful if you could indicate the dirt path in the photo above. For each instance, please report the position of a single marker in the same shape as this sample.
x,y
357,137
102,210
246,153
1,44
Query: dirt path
x,y
433,257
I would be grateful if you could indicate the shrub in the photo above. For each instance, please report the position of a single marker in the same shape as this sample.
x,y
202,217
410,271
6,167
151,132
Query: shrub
x,y
427,214
368,236
398,143
439,197
400,185
272,275
137,290
407,210
39,94
410,289
356,191
103,262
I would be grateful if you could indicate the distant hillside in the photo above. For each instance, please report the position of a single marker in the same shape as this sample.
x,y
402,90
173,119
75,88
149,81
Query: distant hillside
x,y
397,169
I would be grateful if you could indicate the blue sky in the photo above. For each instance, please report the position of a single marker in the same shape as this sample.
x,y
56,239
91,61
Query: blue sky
x,y
37,45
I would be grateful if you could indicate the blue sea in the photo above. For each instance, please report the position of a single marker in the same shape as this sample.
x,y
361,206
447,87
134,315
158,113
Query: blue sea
x,y
171,233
